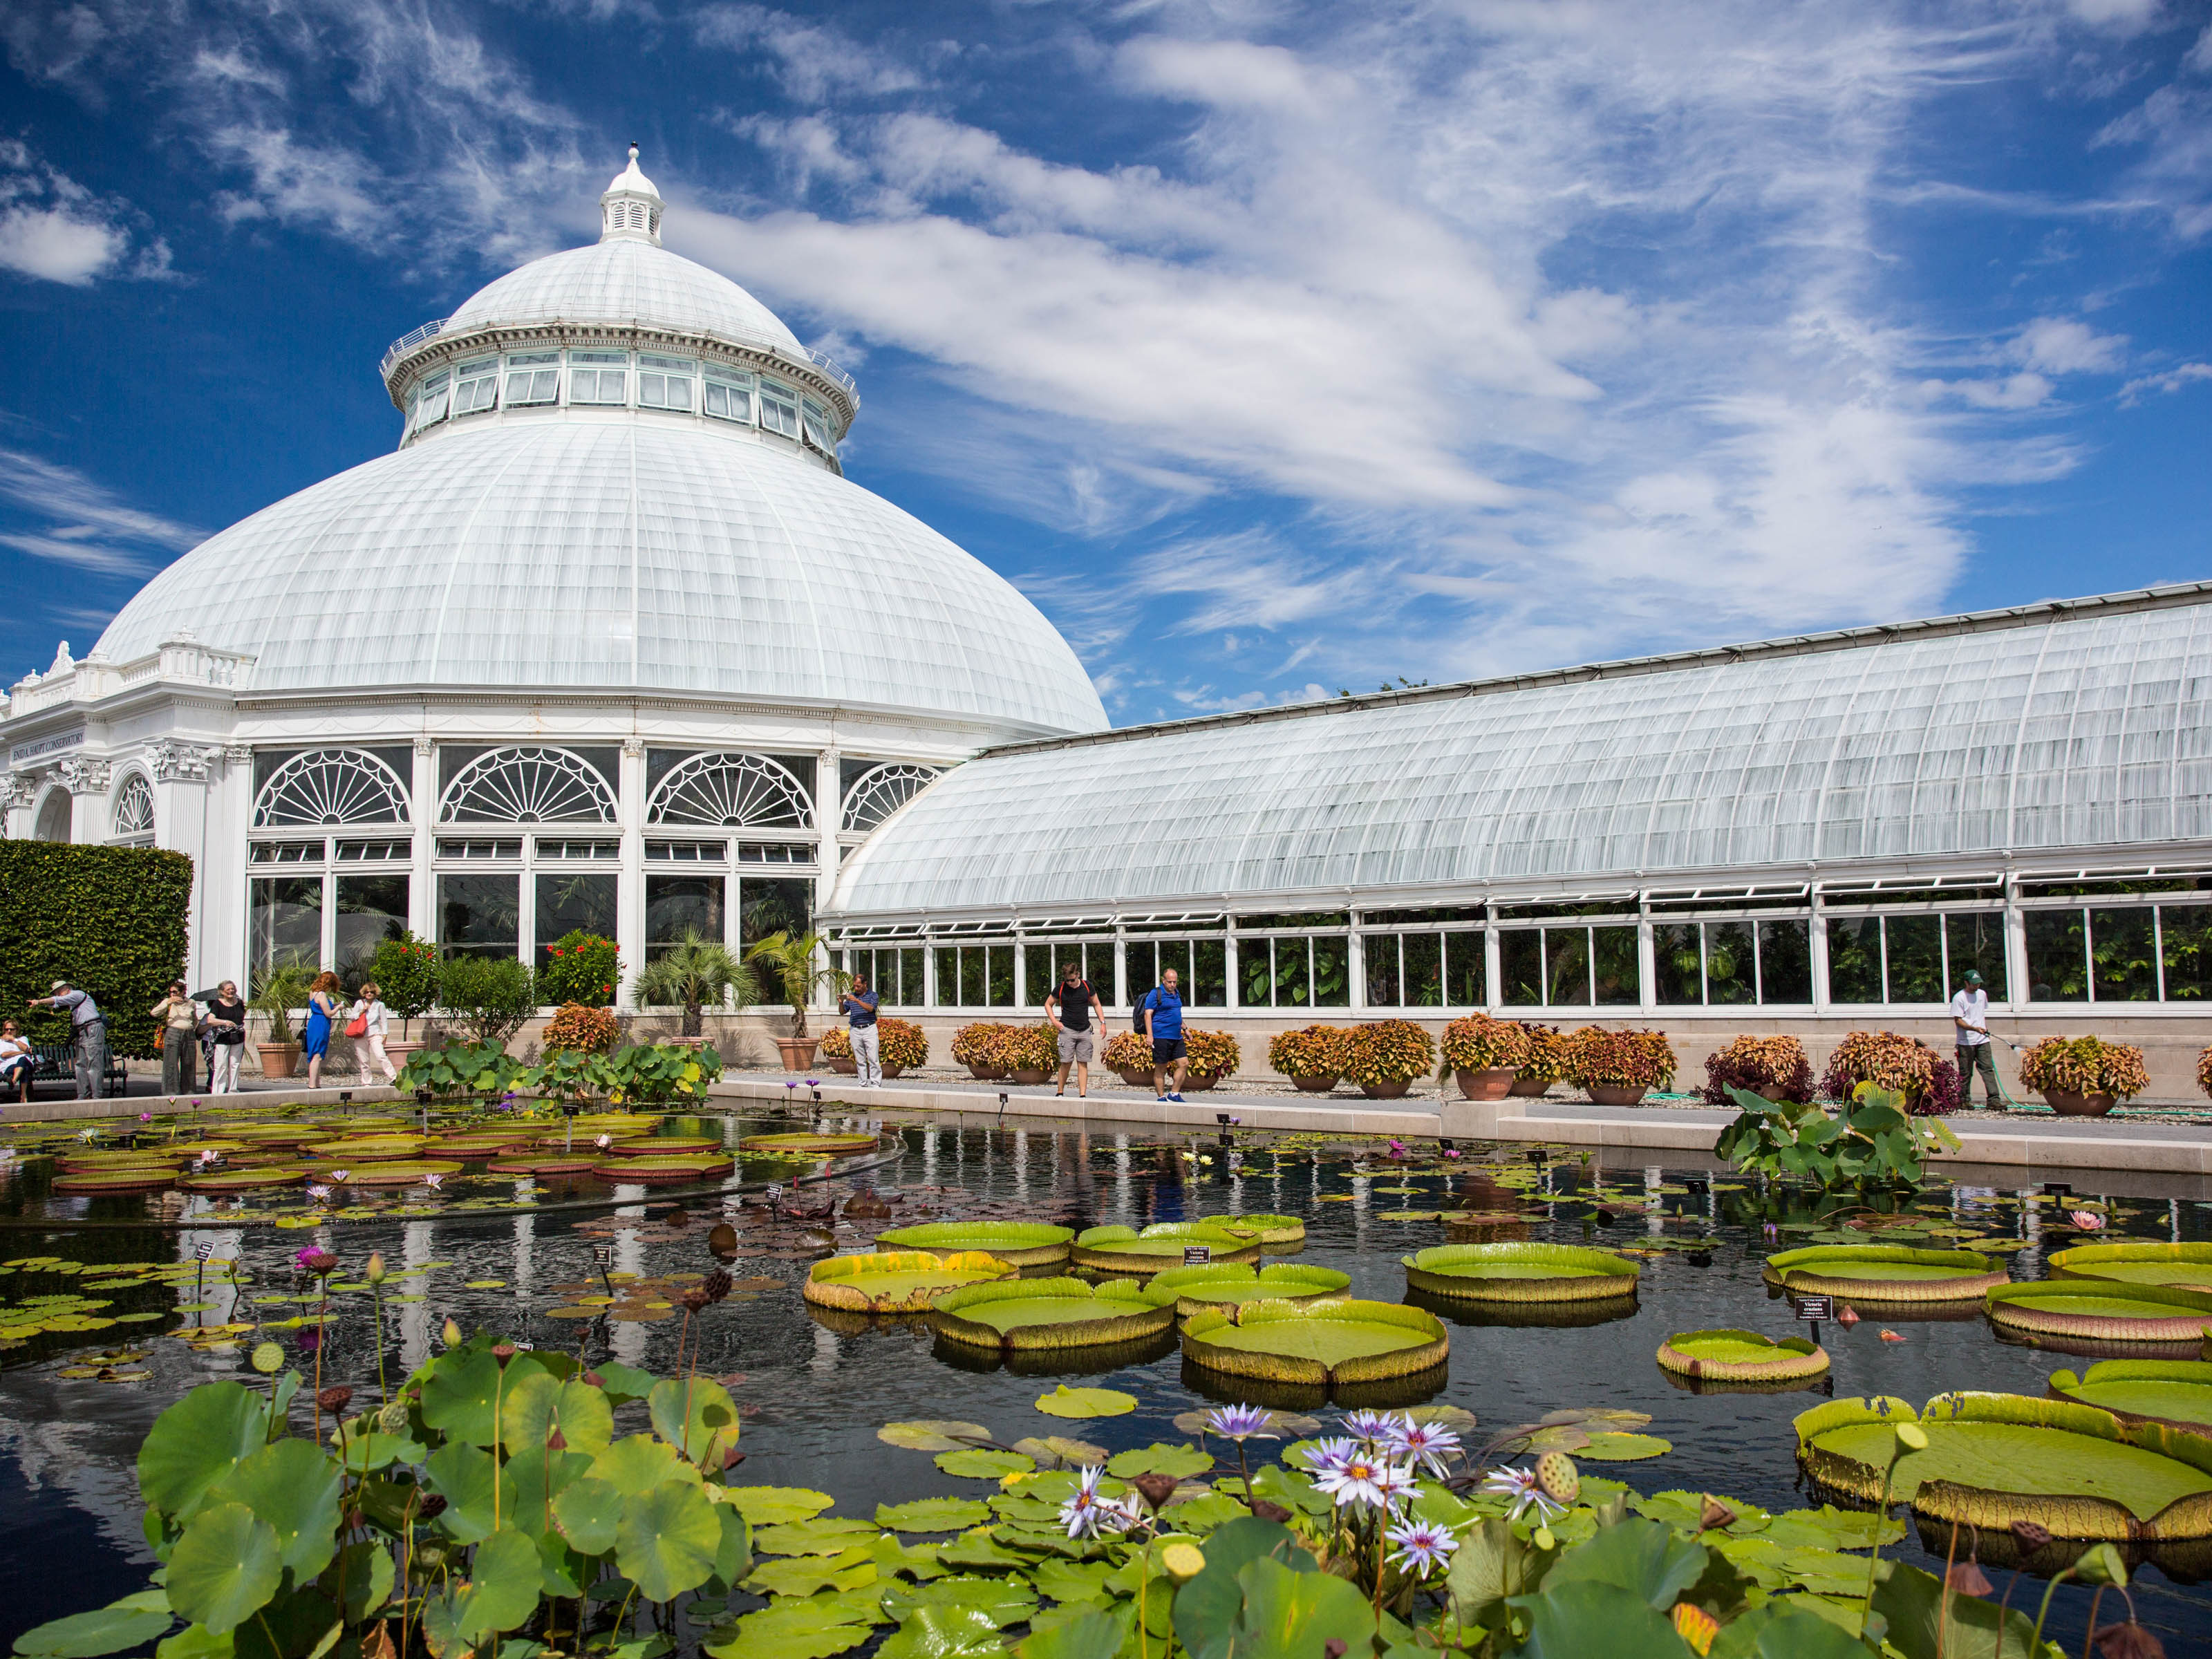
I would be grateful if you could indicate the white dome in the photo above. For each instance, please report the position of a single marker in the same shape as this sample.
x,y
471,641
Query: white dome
x,y
617,554
623,283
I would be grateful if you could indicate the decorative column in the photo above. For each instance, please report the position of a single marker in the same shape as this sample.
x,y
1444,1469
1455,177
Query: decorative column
x,y
828,814
422,811
18,790
629,895
87,781
1817,939
1355,965
1647,959
180,825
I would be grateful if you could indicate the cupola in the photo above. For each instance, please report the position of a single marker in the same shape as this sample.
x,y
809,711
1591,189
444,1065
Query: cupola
x,y
630,211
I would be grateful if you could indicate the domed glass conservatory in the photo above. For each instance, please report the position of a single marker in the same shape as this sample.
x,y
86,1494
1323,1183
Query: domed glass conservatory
x,y
609,641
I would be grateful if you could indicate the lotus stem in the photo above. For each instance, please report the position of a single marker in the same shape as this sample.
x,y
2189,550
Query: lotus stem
x,y
1943,1601
1906,1436
499,1381
2089,1633
2035,1642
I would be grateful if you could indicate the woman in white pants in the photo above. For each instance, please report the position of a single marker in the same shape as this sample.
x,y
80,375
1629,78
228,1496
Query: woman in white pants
x,y
225,1025
368,1048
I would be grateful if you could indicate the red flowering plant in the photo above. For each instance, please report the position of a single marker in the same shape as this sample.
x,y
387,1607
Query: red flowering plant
x,y
1775,1066
580,967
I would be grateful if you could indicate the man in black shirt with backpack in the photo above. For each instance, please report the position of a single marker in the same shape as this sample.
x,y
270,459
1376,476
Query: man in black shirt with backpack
x,y
1069,1006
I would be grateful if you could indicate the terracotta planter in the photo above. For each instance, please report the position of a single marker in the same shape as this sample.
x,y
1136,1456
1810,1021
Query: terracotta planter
x,y
1774,1092
2073,1105
1528,1085
842,1067
1386,1090
1315,1085
1494,1083
278,1058
893,1071
1613,1093
1029,1075
985,1073
397,1051
798,1053
1134,1079
1194,1081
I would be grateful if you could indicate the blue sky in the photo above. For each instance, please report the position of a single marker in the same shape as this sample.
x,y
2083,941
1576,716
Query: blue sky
x,y
1271,348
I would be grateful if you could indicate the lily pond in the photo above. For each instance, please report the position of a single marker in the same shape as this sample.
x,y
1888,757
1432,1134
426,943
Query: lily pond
x,y
139,1262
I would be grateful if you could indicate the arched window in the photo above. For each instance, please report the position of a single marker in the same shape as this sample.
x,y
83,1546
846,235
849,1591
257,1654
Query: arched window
x,y
53,819
527,786
133,816
331,786
876,795
749,791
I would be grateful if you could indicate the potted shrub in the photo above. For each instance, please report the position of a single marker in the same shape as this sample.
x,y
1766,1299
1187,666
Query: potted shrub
x,y
580,967
2084,1076
406,969
1129,1057
489,997
1547,1062
280,991
979,1046
1899,1064
836,1052
1773,1067
693,972
1484,1055
2204,1071
1388,1056
1313,1057
1619,1068
1212,1055
792,964
592,1030
1030,1052
902,1046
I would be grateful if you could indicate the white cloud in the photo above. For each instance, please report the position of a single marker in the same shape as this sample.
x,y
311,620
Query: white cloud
x,y
53,228
83,523
814,61
2058,345
2168,380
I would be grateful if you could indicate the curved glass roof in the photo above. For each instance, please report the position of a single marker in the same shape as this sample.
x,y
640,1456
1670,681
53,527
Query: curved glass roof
x,y
622,283
2090,728
613,553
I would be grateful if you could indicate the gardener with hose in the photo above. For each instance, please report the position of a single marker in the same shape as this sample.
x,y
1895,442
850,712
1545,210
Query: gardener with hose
x,y
1970,1013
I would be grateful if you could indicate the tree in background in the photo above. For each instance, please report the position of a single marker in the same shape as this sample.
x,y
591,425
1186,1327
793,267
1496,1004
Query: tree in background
x,y
789,961
695,971
406,970
491,998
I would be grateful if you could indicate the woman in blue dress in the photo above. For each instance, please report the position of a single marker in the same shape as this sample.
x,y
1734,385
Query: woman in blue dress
x,y
315,1037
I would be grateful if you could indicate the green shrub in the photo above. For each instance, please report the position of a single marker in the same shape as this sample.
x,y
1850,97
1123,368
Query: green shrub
x,y
491,998
109,920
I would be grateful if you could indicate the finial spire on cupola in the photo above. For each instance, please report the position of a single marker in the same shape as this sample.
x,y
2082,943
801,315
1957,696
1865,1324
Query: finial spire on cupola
x,y
630,208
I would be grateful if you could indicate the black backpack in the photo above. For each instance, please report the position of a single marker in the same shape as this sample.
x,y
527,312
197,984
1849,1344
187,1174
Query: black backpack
x,y
1137,1013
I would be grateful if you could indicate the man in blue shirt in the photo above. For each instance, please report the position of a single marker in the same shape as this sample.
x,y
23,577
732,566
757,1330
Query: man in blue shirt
x,y
1162,1013
859,1004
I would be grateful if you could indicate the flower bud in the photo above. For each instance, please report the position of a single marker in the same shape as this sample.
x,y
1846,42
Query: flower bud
x,y
451,1334
502,1351
373,1272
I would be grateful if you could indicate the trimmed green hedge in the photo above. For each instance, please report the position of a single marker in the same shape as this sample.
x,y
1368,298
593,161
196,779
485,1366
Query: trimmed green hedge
x,y
109,920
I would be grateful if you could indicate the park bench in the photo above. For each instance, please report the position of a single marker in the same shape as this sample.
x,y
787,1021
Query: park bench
x,y
56,1062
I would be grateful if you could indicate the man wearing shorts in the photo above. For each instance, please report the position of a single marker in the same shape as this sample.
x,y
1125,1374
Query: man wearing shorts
x,y
1161,1009
1068,1006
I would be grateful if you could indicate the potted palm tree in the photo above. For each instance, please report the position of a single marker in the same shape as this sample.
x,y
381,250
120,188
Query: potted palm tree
x,y
693,972
281,990
791,963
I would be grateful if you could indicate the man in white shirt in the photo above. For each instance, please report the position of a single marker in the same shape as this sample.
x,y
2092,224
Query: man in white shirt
x,y
1970,1013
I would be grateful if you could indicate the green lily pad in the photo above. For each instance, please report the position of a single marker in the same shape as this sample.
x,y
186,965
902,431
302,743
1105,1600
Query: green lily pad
x,y
1318,1342
1612,1447
1062,1450
956,1633
1050,1313
932,1515
1231,1286
2171,1390
984,1465
1520,1273
2138,1262
589,1510
1163,1244
932,1435
828,1534
789,1629
1064,1401
898,1281
807,1575
667,1540
1886,1272
767,1506
131,1622
225,1568
1018,1243
195,1441
1003,1601
1158,1458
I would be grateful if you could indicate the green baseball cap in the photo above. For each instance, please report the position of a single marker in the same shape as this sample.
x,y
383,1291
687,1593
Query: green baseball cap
x,y
1972,978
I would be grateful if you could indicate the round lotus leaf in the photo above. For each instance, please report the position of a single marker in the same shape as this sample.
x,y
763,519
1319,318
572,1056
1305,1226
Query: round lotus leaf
x,y
225,1568
198,1441
1064,1401
667,1540
132,1622
588,1510
933,1435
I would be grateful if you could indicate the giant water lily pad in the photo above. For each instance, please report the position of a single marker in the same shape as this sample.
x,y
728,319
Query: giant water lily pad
x,y
1993,1459
2096,1311
1320,1343
2176,1391
368,1149
121,1178
1020,1243
1037,1314
1267,1229
665,1171
1520,1273
234,1180
804,1145
1163,1244
403,1172
1231,1286
2187,1267
664,1146
1885,1273
1741,1356
897,1281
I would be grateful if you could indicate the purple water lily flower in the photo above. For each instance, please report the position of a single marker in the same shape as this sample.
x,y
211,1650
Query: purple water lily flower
x,y
1241,1423
1086,1514
1371,1426
1521,1485
1423,1545
1424,1444
1362,1477
1324,1455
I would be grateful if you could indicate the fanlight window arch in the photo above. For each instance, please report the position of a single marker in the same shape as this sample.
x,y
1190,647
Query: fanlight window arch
x,y
331,786
528,786
134,807
727,791
878,794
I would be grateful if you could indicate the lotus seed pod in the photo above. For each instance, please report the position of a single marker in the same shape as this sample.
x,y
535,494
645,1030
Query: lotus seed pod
x,y
1542,1538
1182,1561
267,1357
1557,1476
1912,1436
393,1419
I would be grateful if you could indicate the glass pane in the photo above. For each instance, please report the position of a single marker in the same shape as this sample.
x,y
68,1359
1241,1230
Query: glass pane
x,y
1614,951
1143,965
948,978
1209,979
1425,970
1674,957
566,903
1977,941
975,977
675,905
1332,971
1566,967
371,909
2057,967
910,980
1463,987
999,965
1293,973
2185,936
766,906
1521,965
1728,963
1254,960
2125,955
480,916
1916,968
1785,962
1381,953
287,922
1854,959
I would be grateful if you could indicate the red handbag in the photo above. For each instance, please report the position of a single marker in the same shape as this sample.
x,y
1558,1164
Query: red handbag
x,y
358,1026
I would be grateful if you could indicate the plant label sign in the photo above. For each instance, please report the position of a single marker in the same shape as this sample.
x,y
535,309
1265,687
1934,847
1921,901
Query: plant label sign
x,y
1816,1308
1197,1256
202,1252
775,1195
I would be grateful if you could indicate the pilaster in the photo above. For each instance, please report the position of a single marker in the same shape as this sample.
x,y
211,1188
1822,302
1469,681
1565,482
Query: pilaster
x,y
629,895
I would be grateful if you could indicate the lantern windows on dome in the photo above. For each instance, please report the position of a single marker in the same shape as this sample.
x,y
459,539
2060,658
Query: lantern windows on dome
x,y
779,409
435,398
476,385
598,377
665,382
532,377
816,419
729,395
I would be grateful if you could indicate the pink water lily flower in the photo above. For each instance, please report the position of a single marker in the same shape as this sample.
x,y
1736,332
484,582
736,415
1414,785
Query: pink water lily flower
x,y
2086,1221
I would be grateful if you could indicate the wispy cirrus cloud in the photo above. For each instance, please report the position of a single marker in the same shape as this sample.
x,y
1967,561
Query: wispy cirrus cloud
x,y
64,517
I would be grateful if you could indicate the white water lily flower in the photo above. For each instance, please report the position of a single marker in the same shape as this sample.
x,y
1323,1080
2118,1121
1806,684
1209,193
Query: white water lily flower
x,y
1423,1544
1361,1478
1521,1485
1424,1444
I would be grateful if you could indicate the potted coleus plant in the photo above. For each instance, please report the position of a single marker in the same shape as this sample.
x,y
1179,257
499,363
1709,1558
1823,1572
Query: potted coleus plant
x,y
280,991
2084,1076
1313,1057
1484,1055
980,1045
1212,1056
1619,1068
1901,1065
1388,1056
836,1052
1547,1062
1030,1051
902,1045
1771,1067
1129,1057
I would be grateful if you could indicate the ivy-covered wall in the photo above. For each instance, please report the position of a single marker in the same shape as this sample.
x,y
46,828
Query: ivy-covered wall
x,y
109,920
